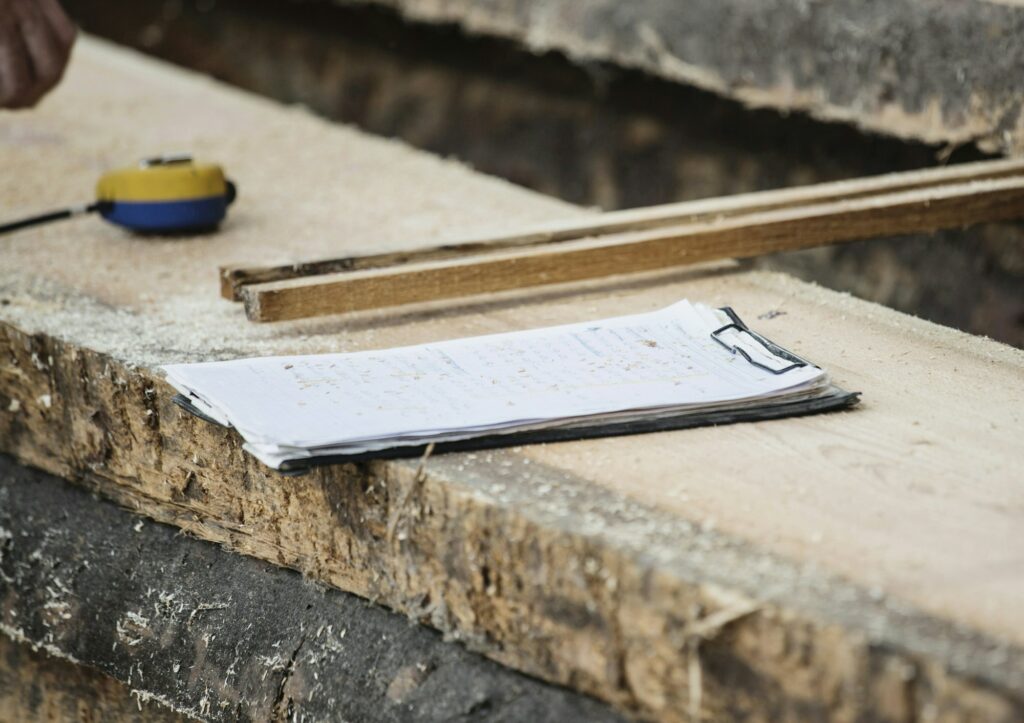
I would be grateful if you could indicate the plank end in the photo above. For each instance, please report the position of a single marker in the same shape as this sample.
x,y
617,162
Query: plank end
x,y
229,286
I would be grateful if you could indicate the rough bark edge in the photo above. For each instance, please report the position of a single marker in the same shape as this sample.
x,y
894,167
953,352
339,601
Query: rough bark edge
x,y
538,570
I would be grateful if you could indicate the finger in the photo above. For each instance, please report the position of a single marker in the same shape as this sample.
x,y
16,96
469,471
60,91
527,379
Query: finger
x,y
46,53
16,76
59,22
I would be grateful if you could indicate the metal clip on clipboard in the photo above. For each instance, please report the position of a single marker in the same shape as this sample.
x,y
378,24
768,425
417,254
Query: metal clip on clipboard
x,y
773,349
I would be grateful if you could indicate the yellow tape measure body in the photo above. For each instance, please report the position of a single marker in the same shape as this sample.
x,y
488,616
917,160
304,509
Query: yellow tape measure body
x,y
168,182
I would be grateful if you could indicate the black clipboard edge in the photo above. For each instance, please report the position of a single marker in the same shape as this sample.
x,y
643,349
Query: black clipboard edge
x,y
832,399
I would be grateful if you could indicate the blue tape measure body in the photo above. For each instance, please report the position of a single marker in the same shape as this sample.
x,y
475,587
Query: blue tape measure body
x,y
155,216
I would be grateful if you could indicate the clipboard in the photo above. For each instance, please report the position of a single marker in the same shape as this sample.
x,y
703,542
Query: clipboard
x,y
735,336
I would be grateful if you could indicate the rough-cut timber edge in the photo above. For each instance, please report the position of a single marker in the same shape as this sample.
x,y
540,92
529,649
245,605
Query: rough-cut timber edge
x,y
36,687
947,71
218,636
570,585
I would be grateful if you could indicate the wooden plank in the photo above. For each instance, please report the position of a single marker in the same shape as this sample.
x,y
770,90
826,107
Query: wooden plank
x,y
917,211
209,616
882,545
233,277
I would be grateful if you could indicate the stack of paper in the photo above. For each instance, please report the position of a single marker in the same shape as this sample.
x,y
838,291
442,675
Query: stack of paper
x,y
680,362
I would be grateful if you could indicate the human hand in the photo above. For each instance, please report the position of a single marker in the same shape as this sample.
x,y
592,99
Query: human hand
x,y
35,43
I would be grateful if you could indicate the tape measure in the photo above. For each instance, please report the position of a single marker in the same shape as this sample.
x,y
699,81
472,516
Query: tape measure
x,y
166,194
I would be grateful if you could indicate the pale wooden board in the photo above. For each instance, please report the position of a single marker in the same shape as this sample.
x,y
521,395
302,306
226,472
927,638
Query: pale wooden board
x,y
916,497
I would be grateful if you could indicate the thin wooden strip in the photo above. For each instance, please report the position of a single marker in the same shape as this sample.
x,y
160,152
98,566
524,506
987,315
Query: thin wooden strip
x,y
751,235
233,277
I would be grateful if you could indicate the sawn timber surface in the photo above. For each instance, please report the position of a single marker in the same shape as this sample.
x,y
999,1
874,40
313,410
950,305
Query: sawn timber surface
x,y
865,539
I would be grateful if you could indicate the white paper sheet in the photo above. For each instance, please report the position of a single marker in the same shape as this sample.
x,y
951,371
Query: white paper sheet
x,y
288,407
